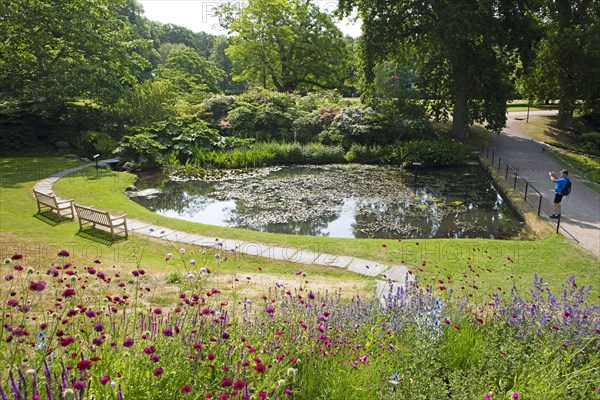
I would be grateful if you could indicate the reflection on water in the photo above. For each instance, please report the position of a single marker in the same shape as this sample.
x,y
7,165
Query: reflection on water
x,y
343,201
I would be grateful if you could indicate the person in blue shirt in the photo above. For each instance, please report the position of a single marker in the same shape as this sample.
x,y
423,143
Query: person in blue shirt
x,y
560,185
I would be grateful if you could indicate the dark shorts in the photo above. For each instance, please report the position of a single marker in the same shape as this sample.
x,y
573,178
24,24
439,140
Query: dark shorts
x,y
558,198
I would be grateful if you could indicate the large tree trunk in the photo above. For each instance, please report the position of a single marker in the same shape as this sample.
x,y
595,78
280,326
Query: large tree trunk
x,y
460,113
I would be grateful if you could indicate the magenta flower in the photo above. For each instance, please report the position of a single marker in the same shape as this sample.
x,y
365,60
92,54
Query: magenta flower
x,y
78,385
158,371
84,365
260,368
97,341
38,286
237,385
186,389
226,382
104,380
98,326
516,395
128,342
262,395
16,256
68,293
299,272
154,358
269,309
288,392
167,331
63,253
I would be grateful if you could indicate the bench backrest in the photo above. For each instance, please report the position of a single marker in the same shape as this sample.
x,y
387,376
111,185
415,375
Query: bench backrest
x,y
46,199
89,214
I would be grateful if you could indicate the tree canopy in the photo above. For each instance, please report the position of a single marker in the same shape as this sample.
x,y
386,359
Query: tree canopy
x,y
286,45
55,50
460,49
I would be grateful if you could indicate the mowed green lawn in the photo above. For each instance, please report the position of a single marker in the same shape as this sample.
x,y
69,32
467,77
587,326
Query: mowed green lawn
x,y
476,266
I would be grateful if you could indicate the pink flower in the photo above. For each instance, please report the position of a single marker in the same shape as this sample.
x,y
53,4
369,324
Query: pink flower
x,y
104,380
288,392
158,372
63,253
186,389
516,395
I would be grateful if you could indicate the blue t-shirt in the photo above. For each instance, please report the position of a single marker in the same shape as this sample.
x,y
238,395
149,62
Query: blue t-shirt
x,y
561,184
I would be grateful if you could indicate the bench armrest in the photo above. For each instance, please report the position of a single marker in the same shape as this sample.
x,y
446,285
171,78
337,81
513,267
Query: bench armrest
x,y
65,201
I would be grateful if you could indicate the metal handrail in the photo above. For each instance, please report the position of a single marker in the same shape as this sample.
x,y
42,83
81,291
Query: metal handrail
x,y
528,185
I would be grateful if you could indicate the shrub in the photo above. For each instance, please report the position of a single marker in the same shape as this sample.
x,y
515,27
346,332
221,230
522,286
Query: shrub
x,y
216,108
590,142
96,142
307,127
431,153
371,154
351,126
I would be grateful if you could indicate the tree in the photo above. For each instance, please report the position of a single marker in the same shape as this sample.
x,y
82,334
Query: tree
x,y
568,57
52,51
461,50
189,73
287,45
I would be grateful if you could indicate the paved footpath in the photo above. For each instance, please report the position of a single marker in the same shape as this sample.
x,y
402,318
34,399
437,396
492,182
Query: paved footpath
x,y
580,220
388,276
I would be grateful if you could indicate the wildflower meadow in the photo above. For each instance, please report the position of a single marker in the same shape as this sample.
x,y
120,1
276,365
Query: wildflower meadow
x,y
95,332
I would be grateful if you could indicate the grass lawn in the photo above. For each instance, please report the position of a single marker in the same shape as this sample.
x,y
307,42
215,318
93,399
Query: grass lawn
x,y
477,266
541,129
522,105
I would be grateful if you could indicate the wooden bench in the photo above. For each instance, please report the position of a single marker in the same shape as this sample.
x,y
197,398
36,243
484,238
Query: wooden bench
x,y
89,215
63,208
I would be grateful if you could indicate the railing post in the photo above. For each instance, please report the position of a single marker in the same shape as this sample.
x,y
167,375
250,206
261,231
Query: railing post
x,y
558,223
526,187
506,176
499,163
516,176
540,205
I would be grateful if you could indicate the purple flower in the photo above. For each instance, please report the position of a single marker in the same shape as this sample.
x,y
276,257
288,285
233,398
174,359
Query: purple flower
x,y
78,385
38,286
97,341
63,253
98,326
128,342
299,272
269,309
158,371
167,331
16,256
154,358
104,380
516,395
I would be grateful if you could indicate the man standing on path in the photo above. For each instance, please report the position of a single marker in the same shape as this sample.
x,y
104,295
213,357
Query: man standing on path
x,y
561,184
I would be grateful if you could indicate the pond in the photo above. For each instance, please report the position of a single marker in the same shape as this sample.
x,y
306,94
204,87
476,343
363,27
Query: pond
x,y
343,201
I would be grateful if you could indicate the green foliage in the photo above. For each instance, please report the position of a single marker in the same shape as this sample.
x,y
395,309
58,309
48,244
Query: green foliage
x,y
263,115
53,52
147,102
93,142
172,140
174,277
371,154
431,153
461,53
216,108
590,142
286,45
190,74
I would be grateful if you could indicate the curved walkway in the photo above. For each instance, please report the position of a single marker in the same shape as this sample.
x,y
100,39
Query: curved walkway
x,y
389,276
580,220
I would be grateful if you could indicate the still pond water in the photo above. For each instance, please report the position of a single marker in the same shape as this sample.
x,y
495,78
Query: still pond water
x,y
344,201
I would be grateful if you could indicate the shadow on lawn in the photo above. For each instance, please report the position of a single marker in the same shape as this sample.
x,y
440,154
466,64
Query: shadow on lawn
x,y
100,236
51,218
